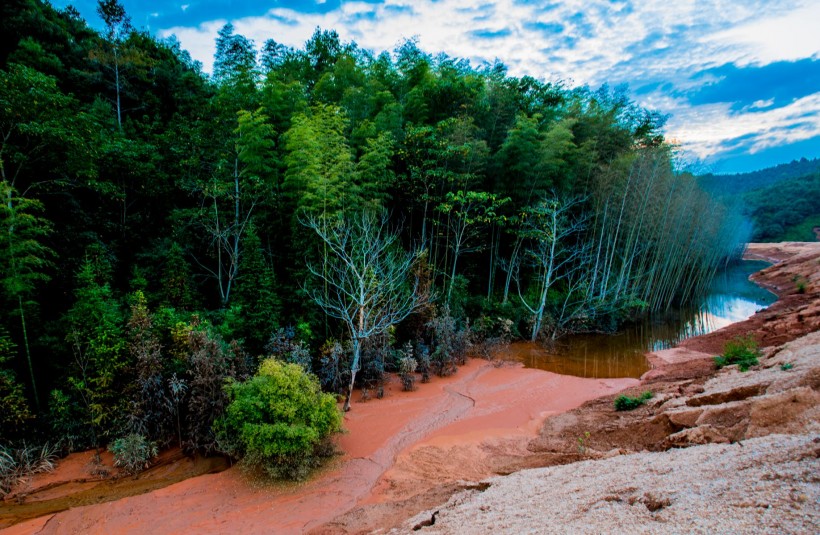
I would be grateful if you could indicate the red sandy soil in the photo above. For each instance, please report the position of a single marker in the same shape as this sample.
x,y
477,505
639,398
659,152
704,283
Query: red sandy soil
x,y
413,450
445,419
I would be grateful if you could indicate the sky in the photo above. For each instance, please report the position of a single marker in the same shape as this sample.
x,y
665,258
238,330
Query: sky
x,y
740,79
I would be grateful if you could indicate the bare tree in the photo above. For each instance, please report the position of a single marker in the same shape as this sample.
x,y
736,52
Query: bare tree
x,y
548,227
367,275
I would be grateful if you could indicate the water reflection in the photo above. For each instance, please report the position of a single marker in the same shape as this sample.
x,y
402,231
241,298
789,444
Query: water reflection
x,y
732,298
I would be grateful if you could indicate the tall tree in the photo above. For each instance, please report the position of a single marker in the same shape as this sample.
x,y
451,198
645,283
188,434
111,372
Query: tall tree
x,y
25,257
467,214
232,193
99,349
549,226
117,28
367,274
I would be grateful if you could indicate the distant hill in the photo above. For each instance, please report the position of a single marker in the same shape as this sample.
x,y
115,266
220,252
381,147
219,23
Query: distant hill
x,y
723,185
786,210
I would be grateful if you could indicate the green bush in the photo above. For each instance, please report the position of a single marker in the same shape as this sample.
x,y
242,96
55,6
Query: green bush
x,y
628,403
133,453
278,421
17,464
742,350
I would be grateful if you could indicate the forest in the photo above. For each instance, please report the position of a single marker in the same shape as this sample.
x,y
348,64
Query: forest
x,y
782,203
327,213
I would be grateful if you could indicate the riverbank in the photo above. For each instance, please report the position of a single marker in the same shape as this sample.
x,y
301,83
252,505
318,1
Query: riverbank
x,y
713,451
411,452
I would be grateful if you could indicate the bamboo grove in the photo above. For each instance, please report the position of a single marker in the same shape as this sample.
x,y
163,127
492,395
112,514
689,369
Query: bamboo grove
x,y
154,234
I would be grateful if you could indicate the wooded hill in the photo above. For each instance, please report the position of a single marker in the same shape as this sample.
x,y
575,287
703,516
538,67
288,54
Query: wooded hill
x,y
781,202
162,229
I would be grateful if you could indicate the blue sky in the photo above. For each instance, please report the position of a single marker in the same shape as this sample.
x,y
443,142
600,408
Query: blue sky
x,y
740,78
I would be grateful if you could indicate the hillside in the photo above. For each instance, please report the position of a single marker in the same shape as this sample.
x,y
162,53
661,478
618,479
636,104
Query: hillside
x,y
725,185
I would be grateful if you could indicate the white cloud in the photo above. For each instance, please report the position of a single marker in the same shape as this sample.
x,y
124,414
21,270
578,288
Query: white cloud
x,y
711,129
185,7
787,37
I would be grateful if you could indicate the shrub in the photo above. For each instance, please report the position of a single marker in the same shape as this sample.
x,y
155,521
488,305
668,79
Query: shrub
x,y
742,350
133,453
16,464
628,403
407,367
278,421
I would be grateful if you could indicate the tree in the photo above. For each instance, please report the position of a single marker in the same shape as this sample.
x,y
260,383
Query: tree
x,y
117,26
232,193
14,410
98,345
366,274
255,293
279,420
25,258
467,212
235,58
548,226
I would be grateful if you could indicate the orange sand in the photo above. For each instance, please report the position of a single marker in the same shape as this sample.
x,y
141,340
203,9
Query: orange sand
x,y
465,415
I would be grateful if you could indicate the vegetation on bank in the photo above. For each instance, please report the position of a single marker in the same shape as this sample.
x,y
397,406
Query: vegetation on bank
x,y
166,232
742,350
628,403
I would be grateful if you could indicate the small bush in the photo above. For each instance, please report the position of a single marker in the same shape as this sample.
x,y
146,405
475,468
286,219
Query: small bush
x,y
278,421
628,403
133,453
786,366
742,350
17,464
407,367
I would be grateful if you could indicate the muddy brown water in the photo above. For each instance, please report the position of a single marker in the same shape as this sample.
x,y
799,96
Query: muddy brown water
x,y
732,297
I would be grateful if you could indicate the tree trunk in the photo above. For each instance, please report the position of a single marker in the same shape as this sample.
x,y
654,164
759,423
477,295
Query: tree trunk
x,y
117,85
353,369
28,353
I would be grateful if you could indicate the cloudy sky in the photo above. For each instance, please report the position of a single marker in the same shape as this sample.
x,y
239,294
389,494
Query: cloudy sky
x,y
740,78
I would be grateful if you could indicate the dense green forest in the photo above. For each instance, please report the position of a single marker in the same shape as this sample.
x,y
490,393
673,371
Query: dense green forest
x,y
740,183
163,230
787,210
781,202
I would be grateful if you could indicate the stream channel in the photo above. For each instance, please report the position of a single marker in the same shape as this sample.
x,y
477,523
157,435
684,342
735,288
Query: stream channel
x,y
732,297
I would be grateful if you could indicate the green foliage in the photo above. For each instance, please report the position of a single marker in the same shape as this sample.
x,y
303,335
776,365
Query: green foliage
x,y
786,366
151,406
99,350
800,284
68,420
14,409
803,231
769,178
18,464
628,403
133,453
129,170
786,210
278,421
256,295
742,350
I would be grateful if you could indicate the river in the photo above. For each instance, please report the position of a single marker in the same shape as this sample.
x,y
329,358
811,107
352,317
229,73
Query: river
x,y
732,297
